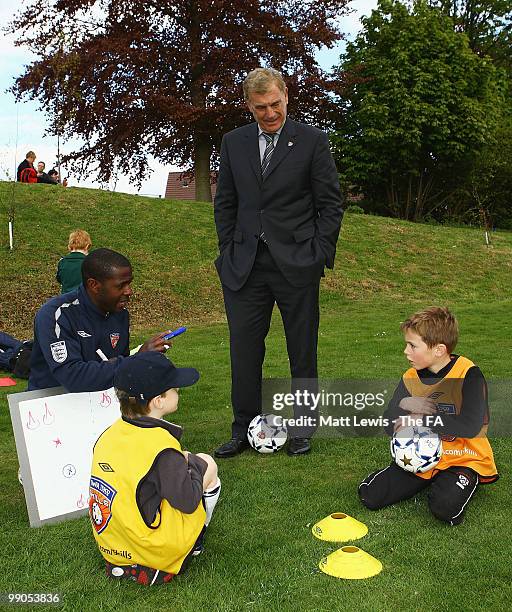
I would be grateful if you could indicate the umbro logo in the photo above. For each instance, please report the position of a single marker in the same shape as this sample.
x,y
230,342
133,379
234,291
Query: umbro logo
x,y
106,467
435,395
83,334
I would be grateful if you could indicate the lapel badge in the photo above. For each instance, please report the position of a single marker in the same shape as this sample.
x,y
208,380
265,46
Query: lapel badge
x,y
290,143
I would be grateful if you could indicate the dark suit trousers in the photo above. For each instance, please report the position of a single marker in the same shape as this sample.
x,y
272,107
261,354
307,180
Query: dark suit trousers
x,y
249,312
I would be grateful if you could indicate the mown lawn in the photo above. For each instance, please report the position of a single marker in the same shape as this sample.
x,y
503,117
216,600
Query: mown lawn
x,y
260,554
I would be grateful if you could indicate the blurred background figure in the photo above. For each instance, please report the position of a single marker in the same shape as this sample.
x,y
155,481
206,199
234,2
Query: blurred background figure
x,y
42,176
69,270
26,172
55,177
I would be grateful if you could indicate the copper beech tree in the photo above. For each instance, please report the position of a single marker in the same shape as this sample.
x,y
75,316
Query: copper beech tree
x,y
134,79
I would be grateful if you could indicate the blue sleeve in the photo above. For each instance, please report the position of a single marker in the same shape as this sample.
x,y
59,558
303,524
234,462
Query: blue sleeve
x,y
62,352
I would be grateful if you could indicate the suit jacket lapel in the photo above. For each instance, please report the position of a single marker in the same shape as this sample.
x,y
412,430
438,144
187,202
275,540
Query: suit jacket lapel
x,y
287,136
253,150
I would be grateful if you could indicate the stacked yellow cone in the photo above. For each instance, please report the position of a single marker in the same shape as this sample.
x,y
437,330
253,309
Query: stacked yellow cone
x,y
339,527
349,562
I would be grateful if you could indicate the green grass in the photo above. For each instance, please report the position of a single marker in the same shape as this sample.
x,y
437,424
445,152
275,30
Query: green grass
x,y
173,244
260,553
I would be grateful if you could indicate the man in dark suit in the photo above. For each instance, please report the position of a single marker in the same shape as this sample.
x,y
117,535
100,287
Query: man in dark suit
x,y
278,215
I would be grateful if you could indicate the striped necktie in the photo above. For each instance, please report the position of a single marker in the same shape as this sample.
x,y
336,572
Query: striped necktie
x,y
269,149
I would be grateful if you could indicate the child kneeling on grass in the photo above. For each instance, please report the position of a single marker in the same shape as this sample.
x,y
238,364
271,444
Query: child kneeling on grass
x,y
437,383
150,501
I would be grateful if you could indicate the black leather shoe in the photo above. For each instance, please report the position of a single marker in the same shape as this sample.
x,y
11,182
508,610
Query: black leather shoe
x,y
234,447
299,446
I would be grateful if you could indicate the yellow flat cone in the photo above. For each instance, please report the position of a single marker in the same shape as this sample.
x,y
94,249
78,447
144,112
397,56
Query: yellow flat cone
x,y
351,563
339,527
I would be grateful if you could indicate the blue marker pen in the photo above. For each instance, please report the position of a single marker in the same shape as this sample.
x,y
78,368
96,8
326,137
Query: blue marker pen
x,y
176,332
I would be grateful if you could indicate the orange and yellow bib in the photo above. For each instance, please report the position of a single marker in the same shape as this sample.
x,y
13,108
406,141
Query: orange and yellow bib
x,y
475,453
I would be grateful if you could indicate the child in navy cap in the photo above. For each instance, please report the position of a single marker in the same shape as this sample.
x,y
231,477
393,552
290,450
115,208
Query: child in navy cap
x,y
150,501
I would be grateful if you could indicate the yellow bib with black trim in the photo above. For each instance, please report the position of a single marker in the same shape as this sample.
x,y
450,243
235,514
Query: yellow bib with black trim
x,y
475,453
123,455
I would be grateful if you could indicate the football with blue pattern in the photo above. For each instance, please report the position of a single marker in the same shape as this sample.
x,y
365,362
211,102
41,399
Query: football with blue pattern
x,y
267,433
416,449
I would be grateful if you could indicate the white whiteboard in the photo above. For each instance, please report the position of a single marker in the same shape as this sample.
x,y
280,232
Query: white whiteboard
x,y
55,433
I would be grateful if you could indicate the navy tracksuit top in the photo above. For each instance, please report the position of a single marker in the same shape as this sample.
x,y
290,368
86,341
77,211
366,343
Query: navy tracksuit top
x,y
68,330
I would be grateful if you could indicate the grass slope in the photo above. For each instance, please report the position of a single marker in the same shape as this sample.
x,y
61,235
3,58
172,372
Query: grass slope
x,y
173,245
260,554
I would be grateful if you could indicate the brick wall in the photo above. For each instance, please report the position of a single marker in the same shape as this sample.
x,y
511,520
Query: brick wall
x,y
183,188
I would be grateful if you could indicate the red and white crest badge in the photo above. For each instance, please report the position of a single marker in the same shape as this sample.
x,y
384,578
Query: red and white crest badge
x,y
101,496
114,339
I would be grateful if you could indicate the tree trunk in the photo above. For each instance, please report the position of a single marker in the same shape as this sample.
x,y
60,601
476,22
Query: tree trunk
x,y
202,146
420,199
409,198
393,199
202,154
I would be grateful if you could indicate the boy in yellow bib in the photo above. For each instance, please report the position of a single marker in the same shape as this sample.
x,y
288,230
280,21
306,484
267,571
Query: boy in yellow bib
x,y
150,501
437,383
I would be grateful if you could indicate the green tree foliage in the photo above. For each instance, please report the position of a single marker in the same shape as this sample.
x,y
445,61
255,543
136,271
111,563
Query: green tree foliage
x,y
486,194
416,107
486,23
488,26
159,77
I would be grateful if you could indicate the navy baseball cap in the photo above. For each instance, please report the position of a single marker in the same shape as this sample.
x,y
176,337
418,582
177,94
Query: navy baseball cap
x,y
146,375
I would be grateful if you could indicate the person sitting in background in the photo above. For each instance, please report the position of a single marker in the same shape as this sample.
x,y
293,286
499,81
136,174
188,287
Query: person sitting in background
x,y
42,176
26,172
69,269
55,177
